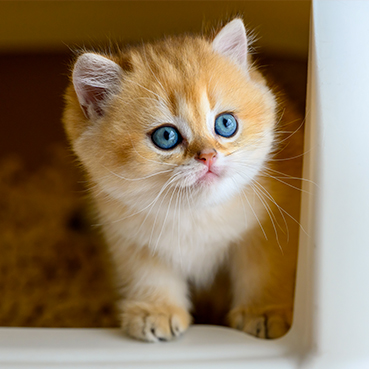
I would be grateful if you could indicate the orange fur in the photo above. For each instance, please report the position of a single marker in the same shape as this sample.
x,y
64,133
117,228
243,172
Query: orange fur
x,y
163,224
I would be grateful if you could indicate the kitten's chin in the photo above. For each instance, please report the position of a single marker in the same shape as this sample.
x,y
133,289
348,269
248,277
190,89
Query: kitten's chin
x,y
207,179
212,189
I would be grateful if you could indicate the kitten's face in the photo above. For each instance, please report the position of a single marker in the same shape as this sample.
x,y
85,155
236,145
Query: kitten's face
x,y
185,123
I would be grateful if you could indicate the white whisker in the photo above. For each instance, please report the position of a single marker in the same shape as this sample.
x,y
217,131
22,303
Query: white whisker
x,y
292,157
253,211
271,216
166,215
166,185
137,179
294,132
266,193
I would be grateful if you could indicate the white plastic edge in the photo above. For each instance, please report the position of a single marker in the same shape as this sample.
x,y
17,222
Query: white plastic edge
x,y
331,313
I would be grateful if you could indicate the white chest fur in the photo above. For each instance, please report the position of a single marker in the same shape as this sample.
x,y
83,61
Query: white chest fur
x,y
193,242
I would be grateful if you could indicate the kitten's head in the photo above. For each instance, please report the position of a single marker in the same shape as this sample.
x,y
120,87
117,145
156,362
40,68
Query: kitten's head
x,y
185,118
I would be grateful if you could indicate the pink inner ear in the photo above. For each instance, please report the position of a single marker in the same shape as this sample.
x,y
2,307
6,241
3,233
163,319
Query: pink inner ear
x,y
95,79
93,97
231,41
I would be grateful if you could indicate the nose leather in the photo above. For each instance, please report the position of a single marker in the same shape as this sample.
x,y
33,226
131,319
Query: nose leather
x,y
207,157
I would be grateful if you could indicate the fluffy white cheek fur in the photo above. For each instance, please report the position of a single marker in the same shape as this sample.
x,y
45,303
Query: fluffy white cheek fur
x,y
229,176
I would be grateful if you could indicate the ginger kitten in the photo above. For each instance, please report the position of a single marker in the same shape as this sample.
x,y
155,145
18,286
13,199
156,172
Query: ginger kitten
x,y
180,142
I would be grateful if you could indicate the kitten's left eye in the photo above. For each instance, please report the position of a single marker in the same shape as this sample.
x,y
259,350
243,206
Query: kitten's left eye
x,y
166,137
226,125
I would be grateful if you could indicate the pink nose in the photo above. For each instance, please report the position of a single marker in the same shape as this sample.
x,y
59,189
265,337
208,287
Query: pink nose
x,y
207,157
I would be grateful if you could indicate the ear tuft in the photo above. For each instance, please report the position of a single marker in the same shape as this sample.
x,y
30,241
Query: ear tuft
x,y
231,41
95,80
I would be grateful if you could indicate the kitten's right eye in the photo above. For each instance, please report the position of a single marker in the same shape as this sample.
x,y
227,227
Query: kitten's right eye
x,y
166,137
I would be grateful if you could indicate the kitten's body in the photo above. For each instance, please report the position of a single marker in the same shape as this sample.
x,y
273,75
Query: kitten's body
x,y
174,216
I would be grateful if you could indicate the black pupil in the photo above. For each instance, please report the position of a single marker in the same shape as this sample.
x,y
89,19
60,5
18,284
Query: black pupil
x,y
226,122
166,135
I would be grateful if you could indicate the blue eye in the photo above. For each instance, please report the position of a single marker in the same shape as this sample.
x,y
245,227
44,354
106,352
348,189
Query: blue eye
x,y
226,125
166,137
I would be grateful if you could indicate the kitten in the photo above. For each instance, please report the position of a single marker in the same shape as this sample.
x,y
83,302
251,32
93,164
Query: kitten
x,y
176,137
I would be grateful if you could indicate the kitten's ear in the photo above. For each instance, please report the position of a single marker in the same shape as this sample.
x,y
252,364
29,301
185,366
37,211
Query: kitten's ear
x,y
231,41
95,80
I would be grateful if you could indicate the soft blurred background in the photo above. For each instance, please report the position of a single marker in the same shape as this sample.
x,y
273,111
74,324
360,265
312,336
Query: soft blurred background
x,y
53,270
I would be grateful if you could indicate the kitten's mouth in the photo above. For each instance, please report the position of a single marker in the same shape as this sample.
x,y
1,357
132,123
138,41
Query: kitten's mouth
x,y
208,177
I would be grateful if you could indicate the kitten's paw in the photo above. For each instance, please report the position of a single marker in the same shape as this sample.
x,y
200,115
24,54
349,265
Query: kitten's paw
x,y
153,322
271,323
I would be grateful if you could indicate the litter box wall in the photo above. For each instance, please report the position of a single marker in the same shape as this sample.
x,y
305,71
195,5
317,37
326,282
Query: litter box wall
x,y
39,27
332,304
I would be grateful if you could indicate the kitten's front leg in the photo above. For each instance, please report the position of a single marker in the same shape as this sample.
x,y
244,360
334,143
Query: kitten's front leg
x,y
263,287
154,305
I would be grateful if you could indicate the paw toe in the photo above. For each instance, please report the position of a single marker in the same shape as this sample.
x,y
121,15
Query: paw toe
x,y
153,323
261,324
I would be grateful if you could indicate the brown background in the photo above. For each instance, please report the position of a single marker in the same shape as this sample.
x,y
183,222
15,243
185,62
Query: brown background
x,y
36,39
